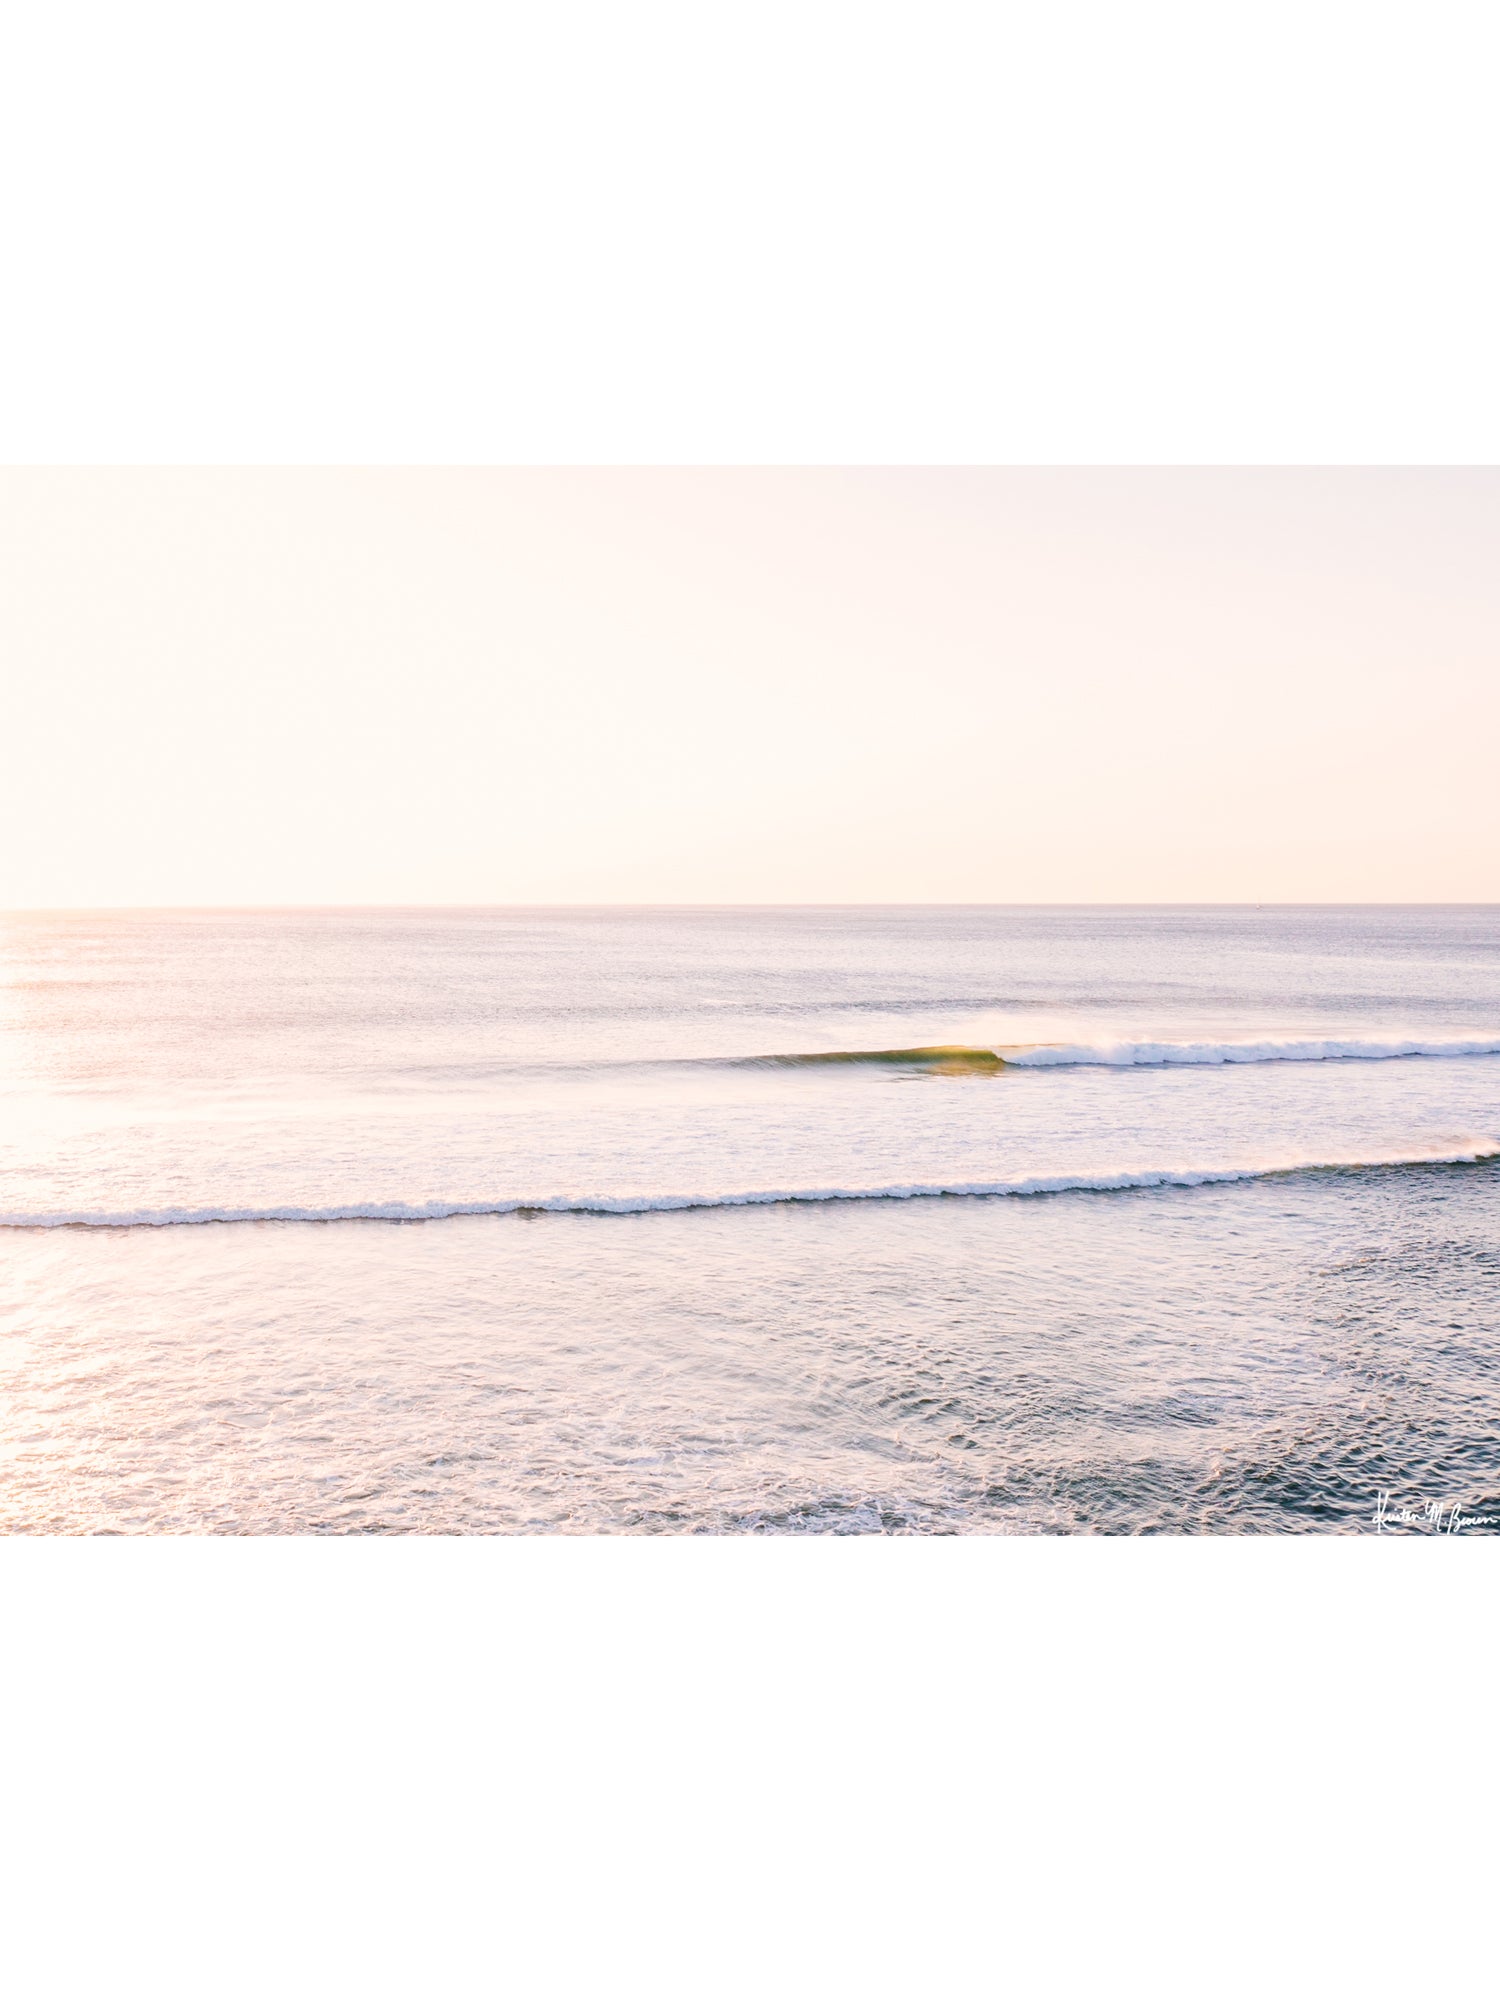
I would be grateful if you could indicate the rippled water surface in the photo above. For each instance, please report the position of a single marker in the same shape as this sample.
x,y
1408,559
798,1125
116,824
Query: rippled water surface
x,y
689,1245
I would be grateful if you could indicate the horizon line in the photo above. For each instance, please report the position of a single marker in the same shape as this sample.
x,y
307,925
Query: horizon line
x,y
1080,903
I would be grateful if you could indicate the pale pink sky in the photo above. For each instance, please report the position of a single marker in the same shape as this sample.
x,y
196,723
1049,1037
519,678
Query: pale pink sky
x,y
771,686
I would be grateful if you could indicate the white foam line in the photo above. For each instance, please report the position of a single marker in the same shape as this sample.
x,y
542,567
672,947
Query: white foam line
x,y
1480,1151
1128,1055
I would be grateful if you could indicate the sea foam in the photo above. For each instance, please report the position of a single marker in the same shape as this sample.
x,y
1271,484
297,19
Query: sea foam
x,y
1128,1054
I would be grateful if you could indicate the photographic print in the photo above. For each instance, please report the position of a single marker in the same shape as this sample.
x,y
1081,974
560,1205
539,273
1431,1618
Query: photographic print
x,y
751,1002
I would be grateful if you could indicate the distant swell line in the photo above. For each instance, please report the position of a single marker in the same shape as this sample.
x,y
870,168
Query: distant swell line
x,y
1480,1152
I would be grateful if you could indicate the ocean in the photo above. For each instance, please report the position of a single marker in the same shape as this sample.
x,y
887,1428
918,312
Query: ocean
x,y
840,1220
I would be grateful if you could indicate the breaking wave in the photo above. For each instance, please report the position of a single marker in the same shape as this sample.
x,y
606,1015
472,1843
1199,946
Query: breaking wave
x,y
1477,1152
1050,1055
958,1058
948,1058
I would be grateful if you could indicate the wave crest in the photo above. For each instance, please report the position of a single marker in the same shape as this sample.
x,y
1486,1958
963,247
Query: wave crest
x,y
1127,1055
960,1059
1478,1152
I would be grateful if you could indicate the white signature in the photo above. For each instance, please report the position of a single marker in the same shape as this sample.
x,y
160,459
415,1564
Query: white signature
x,y
1446,1517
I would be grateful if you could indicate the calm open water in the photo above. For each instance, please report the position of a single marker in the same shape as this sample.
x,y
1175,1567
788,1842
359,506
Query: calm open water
x,y
749,1220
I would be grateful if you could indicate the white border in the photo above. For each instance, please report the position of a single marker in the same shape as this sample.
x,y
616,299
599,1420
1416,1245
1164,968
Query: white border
x,y
737,1768
813,231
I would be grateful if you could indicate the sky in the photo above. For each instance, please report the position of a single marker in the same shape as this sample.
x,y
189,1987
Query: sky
x,y
473,686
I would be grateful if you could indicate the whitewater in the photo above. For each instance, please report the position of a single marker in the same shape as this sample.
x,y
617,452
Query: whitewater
x,y
1197,1054
746,1220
